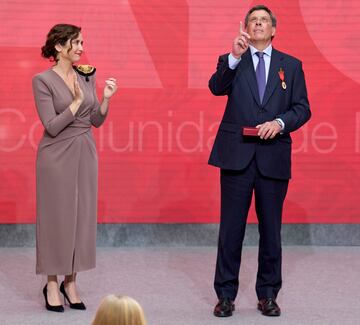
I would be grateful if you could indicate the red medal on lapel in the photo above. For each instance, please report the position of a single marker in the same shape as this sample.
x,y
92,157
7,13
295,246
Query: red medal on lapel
x,y
282,78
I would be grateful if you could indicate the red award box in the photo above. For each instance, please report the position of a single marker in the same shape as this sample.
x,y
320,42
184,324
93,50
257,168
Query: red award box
x,y
250,131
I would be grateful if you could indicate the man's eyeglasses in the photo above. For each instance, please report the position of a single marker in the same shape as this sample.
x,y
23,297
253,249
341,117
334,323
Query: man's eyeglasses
x,y
262,20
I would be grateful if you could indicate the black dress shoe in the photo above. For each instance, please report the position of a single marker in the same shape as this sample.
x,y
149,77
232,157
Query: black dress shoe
x,y
269,307
224,308
57,308
76,305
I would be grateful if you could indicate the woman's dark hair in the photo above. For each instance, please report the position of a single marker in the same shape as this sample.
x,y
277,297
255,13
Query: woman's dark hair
x,y
59,34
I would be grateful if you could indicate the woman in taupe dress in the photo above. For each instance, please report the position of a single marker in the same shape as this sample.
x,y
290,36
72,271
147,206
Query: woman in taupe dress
x,y
66,165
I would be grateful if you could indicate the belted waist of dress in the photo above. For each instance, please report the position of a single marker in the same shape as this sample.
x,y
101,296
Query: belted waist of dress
x,y
78,127
81,122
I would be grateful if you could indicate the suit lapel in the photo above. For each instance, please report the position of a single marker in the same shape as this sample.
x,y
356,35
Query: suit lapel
x,y
273,78
247,68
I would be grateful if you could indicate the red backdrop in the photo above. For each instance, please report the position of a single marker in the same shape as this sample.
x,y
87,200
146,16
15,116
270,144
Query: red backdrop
x,y
154,147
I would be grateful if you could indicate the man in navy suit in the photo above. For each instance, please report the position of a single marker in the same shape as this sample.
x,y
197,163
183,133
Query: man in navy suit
x,y
266,90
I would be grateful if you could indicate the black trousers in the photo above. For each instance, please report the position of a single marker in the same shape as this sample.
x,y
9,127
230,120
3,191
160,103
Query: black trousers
x,y
237,188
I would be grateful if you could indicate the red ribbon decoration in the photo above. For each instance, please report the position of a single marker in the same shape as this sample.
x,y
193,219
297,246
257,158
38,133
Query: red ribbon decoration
x,y
282,74
282,78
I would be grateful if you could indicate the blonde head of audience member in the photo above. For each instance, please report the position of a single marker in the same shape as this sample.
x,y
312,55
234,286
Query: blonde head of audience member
x,y
119,310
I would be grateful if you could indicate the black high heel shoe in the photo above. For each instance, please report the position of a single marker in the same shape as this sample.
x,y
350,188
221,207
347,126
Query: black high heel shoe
x,y
57,308
77,305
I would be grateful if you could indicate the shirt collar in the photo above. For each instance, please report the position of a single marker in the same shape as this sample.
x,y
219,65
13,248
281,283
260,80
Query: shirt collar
x,y
267,51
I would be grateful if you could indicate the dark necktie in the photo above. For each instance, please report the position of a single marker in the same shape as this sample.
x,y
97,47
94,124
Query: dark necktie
x,y
260,75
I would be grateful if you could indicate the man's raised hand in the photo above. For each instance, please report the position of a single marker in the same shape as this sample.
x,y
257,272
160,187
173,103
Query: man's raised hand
x,y
240,43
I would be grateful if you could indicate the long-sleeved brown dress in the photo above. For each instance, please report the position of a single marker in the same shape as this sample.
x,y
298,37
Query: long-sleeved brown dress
x,y
66,176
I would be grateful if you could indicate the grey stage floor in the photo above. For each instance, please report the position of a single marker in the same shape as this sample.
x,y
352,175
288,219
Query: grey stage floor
x,y
174,285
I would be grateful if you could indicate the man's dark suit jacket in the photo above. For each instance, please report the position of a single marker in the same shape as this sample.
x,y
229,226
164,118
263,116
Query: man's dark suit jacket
x,y
231,150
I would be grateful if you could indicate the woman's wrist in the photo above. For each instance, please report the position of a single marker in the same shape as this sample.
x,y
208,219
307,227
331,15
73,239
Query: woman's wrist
x,y
77,102
74,107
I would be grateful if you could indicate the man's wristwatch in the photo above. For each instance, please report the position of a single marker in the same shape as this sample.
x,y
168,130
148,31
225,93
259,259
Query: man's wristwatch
x,y
279,122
